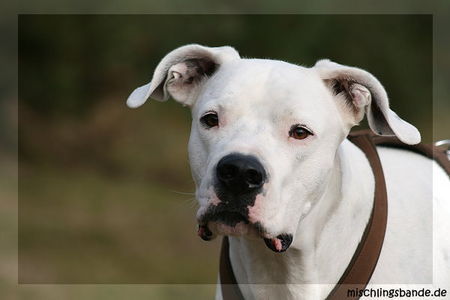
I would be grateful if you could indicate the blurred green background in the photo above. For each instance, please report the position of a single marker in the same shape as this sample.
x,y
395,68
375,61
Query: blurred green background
x,y
105,194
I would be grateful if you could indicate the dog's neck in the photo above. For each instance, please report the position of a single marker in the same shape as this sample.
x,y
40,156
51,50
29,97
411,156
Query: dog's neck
x,y
325,241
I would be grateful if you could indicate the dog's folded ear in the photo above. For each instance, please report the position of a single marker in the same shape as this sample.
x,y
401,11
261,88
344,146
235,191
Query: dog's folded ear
x,y
364,93
181,73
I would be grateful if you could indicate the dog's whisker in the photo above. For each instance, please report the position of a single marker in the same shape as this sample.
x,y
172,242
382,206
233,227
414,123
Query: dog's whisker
x,y
191,202
182,193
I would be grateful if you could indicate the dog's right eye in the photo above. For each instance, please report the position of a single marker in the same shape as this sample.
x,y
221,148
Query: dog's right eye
x,y
210,120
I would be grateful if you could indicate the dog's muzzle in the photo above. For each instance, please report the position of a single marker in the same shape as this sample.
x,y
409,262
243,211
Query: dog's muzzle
x,y
239,179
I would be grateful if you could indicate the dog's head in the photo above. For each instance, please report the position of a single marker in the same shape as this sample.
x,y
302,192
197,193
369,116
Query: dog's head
x,y
265,133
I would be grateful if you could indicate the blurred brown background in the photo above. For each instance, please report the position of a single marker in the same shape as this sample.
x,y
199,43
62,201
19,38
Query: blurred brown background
x,y
104,191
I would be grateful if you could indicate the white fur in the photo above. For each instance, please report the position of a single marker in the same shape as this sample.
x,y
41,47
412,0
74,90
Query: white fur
x,y
320,189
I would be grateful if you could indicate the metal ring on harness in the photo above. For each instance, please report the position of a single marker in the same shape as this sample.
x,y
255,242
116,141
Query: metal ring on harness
x,y
444,143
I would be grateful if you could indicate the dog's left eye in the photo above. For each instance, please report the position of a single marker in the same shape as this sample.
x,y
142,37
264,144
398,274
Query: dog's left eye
x,y
210,120
299,132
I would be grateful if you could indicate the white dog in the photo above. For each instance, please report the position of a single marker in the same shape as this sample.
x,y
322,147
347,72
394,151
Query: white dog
x,y
274,170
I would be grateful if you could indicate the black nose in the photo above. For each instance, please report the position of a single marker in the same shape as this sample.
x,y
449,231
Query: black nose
x,y
240,174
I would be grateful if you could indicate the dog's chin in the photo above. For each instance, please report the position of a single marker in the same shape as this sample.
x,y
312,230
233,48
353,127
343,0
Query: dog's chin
x,y
239,229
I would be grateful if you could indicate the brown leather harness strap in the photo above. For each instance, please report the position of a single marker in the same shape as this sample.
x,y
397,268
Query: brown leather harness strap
x,y
229,286
364,260
429,151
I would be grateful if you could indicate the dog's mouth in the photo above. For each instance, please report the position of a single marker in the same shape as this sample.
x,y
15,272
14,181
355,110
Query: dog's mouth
x,y
235,223
223,222
227,214
230,218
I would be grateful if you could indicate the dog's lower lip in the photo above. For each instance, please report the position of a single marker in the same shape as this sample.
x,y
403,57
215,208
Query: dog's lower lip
x,y
204,233
280,243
